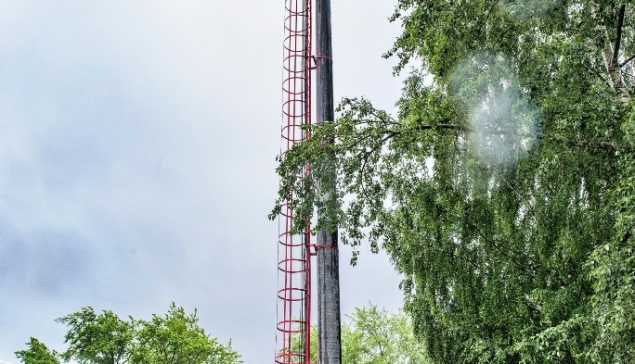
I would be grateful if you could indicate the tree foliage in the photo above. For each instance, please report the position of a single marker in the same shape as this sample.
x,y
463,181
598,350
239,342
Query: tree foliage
x,y
97,339
38,353
177,338
105,338
504,188
373,336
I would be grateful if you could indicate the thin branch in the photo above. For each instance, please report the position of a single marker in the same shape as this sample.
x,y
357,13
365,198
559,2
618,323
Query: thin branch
x,y
469,129
628,74
513,189
522,267
595,72
627,60
358,141
489,11
369,121
366,154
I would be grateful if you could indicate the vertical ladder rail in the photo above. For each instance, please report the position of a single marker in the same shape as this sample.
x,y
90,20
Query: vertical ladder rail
x,y
294,257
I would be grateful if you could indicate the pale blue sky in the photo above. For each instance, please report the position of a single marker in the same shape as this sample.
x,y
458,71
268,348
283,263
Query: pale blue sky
x,y
137,146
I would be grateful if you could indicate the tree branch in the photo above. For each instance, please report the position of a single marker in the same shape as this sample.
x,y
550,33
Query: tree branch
x,y
627,60
618,40
620,24
583,143
595,72
519,265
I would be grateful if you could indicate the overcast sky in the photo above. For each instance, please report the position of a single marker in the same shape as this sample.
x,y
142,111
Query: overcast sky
x,y
137,147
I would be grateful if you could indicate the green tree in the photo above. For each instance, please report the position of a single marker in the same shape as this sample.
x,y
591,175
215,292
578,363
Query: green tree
x,y
503,190
97,339
176,338
373,336
104,338
38,353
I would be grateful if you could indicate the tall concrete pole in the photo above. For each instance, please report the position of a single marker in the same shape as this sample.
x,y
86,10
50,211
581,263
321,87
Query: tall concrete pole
x,y
328,270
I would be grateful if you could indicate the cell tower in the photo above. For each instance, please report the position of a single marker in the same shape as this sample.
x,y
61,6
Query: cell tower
x,y
293,339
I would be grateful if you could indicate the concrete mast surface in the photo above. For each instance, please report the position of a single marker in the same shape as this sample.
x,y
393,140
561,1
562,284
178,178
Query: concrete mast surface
x,y
328,281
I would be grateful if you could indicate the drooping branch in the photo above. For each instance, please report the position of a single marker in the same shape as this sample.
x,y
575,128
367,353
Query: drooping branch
x,y
598,145
582,143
